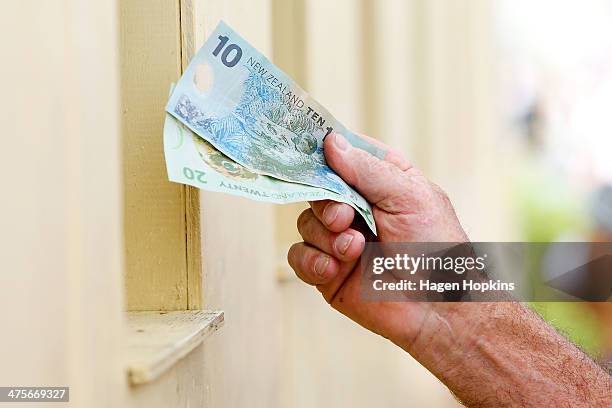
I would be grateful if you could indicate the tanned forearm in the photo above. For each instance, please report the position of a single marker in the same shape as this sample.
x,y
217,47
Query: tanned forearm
x,y
488,354
503,354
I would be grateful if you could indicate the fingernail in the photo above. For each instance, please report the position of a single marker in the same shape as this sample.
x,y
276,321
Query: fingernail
x,y
340,142
330,213
342,242
321,265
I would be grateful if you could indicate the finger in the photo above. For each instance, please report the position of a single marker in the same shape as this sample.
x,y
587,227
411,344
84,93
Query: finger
x,y
335,216
375,179
311,264
392,155
345,246
319,269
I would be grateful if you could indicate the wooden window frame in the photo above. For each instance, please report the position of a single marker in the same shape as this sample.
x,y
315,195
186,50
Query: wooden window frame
x,y
161,219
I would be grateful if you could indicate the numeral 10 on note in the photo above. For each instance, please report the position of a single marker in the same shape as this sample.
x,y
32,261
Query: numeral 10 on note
x,y
229,52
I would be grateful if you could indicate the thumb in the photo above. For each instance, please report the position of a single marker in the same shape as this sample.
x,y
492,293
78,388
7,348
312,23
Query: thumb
x,y
377,180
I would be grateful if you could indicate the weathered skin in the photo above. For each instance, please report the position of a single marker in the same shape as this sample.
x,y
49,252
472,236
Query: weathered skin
x,y
488,354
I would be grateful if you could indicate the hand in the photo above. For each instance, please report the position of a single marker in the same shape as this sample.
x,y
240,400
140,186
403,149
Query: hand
x,y
407,208
489,354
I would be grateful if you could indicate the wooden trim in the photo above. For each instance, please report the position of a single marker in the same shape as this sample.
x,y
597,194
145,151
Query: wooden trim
x,y
154,208
192,195
158,340
187,32
194,248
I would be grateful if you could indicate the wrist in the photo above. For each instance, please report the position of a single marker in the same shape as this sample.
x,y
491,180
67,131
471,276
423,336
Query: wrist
x,y
463,345
447,327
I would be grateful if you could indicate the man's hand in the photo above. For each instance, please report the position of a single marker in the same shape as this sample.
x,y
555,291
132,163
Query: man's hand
x,y
488,354
407,208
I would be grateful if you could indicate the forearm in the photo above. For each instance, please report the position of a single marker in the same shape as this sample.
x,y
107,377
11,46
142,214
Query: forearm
x,y
498,354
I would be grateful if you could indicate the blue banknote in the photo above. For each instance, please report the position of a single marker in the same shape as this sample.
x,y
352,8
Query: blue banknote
x,y
193,161
241,103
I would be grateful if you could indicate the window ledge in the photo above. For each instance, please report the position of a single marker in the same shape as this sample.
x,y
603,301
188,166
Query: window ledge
x,y
157,340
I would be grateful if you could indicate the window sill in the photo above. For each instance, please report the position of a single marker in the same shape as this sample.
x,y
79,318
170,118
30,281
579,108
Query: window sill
x,y
157,340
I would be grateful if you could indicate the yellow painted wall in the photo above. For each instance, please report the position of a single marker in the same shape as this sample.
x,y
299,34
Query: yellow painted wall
x,y
61,237
63,282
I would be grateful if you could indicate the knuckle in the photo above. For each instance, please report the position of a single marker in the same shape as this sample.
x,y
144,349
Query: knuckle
x,y
308,230
370,161
403,196
373,165
303,219
441,194
365,164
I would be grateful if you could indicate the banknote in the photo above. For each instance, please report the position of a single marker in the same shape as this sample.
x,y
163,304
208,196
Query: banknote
x,y
192,160
241,103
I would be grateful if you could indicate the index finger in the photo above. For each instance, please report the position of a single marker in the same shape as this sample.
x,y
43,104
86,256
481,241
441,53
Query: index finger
x,y
336,216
